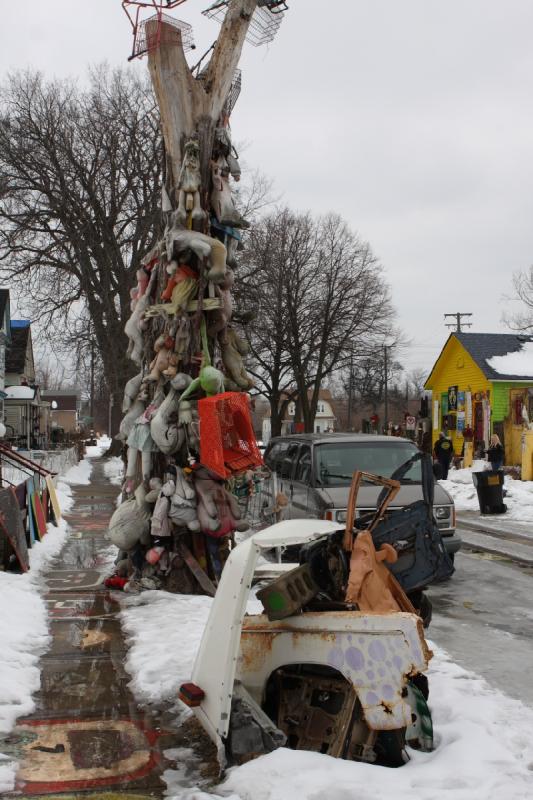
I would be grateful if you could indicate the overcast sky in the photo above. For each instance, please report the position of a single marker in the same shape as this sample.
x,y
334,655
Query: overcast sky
x,y
411,118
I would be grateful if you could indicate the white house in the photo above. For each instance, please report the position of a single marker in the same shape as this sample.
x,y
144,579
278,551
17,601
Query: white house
x,y
324,420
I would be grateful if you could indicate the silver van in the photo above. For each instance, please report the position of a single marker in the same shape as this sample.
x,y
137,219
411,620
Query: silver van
x,y
315,472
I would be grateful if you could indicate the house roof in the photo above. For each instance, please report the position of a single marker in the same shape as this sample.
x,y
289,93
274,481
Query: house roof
x,y
489,350
16,353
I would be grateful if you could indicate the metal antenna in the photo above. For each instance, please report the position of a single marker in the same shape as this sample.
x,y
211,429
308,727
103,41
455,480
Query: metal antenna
x,y
457,324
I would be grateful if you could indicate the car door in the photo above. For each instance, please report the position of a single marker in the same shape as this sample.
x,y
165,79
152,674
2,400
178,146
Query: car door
x,y
286,483
300,483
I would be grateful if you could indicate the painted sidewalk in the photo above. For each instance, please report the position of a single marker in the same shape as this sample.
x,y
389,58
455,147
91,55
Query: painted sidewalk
x,y
87,733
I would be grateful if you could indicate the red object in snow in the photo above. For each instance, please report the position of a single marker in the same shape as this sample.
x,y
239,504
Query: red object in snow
x,y
115,582
227,440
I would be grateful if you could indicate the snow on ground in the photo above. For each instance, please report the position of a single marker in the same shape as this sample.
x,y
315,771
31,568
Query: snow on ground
x,y
518,497
484,746
23,643
114,470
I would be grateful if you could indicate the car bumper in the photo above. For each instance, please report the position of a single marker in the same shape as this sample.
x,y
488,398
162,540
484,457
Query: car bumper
x,y
452,542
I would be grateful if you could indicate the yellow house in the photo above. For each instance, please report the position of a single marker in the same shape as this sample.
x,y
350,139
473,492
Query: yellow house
x,y
482,383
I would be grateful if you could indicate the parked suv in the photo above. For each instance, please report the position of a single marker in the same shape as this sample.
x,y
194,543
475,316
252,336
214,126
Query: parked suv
x,y
315,472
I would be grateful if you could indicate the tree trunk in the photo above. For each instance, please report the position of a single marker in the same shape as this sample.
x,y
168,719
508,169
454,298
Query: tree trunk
x,y
192,107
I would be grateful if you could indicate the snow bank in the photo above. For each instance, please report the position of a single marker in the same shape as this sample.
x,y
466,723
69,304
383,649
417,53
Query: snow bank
x,y
114,470
518,497
484,747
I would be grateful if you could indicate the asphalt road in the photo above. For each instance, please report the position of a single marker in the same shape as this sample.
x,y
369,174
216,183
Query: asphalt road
x,y
483,616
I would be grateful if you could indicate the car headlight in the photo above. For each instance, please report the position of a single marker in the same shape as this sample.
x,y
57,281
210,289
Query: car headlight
x,y
442,512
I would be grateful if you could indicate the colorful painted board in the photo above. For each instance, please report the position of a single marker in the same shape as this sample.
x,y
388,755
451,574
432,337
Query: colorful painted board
x,y
44,500
39,518
32,527
11,526
56,509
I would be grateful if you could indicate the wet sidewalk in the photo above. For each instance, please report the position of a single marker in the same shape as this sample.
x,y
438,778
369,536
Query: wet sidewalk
x,y
87,737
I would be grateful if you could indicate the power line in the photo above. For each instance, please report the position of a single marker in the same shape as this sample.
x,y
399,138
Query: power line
x,y
457,324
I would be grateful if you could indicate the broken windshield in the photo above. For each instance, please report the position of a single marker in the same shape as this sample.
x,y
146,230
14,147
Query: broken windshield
x,y
336,463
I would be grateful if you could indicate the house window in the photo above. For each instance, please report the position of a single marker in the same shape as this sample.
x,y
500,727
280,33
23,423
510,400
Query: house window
x,y
320,408
291,409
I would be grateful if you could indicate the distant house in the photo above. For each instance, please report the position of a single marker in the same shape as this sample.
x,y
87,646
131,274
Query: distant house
x,y
65,407
20,364
22,413
324,420
482,383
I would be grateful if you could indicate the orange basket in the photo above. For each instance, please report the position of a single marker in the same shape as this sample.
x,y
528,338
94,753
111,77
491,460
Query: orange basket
x,y
227,440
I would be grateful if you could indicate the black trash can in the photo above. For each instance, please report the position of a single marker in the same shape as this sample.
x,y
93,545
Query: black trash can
x,y
489,487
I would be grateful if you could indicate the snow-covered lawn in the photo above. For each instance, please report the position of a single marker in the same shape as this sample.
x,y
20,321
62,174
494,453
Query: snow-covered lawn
x,y
518,498
484,744
24,634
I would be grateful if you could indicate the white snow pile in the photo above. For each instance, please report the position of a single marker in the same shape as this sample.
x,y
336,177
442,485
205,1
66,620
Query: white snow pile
x,y
114,470
518,494
94,451
518,363
484,747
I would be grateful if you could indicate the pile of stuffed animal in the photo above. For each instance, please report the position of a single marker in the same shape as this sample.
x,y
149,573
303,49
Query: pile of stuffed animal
x,y
177,518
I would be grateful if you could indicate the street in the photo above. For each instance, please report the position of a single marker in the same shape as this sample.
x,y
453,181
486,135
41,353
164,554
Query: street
x,y
483,617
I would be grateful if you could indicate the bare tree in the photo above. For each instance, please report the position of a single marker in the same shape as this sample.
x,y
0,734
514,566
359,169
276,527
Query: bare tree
x,y
320,299
523,287
80,205
416,379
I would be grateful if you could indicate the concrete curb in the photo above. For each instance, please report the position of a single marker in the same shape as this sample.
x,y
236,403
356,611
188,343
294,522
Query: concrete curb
x,y
515,551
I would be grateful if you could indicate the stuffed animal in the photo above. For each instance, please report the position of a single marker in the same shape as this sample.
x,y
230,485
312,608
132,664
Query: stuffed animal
x,y
183,511
140,440
131,390
210,380
219,318
130,523
166,432
184,288
232,349
143,278
221,197
134,326
188,420
218,510
160,525
165,360
133,414
205,248
189,183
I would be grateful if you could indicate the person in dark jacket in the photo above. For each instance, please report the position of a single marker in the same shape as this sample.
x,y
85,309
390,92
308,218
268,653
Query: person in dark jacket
x,y
443,452
495,453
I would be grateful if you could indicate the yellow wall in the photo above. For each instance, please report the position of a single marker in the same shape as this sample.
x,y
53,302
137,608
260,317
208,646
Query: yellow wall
x,y
455,366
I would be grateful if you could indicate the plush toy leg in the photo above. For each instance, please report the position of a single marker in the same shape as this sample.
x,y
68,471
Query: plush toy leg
x,y
146,464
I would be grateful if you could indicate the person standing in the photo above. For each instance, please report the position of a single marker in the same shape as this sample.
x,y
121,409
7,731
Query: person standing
x,y
443,452
495,453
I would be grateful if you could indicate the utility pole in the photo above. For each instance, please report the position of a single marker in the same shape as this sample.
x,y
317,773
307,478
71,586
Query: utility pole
x,y
386,387
457,324
350,389
92,383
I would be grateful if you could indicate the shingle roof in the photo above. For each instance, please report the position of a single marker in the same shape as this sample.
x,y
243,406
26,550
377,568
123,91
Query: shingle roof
x,y
483,346
16,353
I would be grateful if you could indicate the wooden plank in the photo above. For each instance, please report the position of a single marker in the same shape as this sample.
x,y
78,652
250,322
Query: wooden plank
x,y
39,517
12,528
32,527
56,509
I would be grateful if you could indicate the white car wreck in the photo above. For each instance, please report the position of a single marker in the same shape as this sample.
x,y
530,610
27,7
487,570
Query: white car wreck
x,y
327,677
